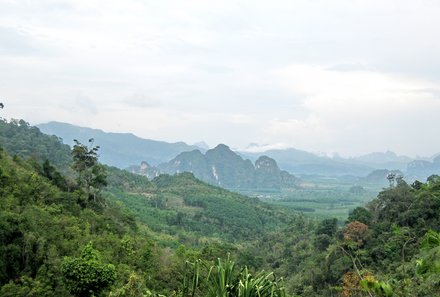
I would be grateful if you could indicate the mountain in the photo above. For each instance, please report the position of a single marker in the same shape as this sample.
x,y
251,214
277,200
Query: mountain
x,y
228,169
379,176
124,150
422,169
305,163
223,167
269,175
387,159
118,149
202,145
301,162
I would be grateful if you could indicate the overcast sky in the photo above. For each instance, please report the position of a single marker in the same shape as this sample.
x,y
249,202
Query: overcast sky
x,y
324,76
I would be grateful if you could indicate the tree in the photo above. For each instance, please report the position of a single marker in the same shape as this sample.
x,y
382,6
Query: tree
x,y
327,226
50,172
360,214
87,275
355,232
91,175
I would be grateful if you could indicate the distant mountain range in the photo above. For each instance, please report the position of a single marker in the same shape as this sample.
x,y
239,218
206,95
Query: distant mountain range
x,y
223,167
124,150
119,149
301,162
388,160
379,176
420,169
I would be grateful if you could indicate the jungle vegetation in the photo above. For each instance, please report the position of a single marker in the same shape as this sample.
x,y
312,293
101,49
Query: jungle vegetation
x,y
70,226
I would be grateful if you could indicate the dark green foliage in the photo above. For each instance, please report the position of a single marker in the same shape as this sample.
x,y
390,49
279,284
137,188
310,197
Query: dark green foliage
x,y
52,174
388,248
322,241
417,185
87,275
360,214
41,223
17,137
328,227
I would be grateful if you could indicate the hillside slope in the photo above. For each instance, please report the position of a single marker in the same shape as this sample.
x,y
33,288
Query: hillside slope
x,y
17,137
167,204
182,203
135,229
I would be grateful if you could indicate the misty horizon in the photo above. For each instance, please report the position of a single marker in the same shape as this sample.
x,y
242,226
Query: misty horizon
x,y
257,148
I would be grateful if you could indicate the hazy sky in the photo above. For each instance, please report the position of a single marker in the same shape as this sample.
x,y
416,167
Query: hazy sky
x,y
325,76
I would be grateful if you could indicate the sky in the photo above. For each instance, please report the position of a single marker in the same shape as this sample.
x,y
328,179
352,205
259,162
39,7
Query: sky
x,y
341,76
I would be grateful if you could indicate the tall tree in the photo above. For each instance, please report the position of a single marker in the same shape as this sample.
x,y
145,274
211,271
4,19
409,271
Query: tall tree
x,y
91,175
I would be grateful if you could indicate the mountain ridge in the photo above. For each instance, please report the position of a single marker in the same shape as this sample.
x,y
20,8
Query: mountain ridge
x,y
118,149
223,167
124,150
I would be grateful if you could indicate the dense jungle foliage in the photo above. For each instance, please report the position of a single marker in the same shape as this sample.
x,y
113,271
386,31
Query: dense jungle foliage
x,y
73,227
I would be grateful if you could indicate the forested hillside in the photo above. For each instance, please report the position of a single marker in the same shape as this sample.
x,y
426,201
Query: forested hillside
x,y
390,247
19,138
101,231
185,205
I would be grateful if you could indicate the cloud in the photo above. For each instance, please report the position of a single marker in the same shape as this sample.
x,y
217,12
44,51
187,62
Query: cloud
x,y
141,100
349,67
79,104
349,108
16,42
217,69
257,148
318,76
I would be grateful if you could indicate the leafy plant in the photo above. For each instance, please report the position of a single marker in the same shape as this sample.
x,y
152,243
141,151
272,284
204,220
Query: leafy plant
x,y
225,280
87,275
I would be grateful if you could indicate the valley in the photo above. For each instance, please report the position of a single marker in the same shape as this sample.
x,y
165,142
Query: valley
x,y
219,148
317,186
60,206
